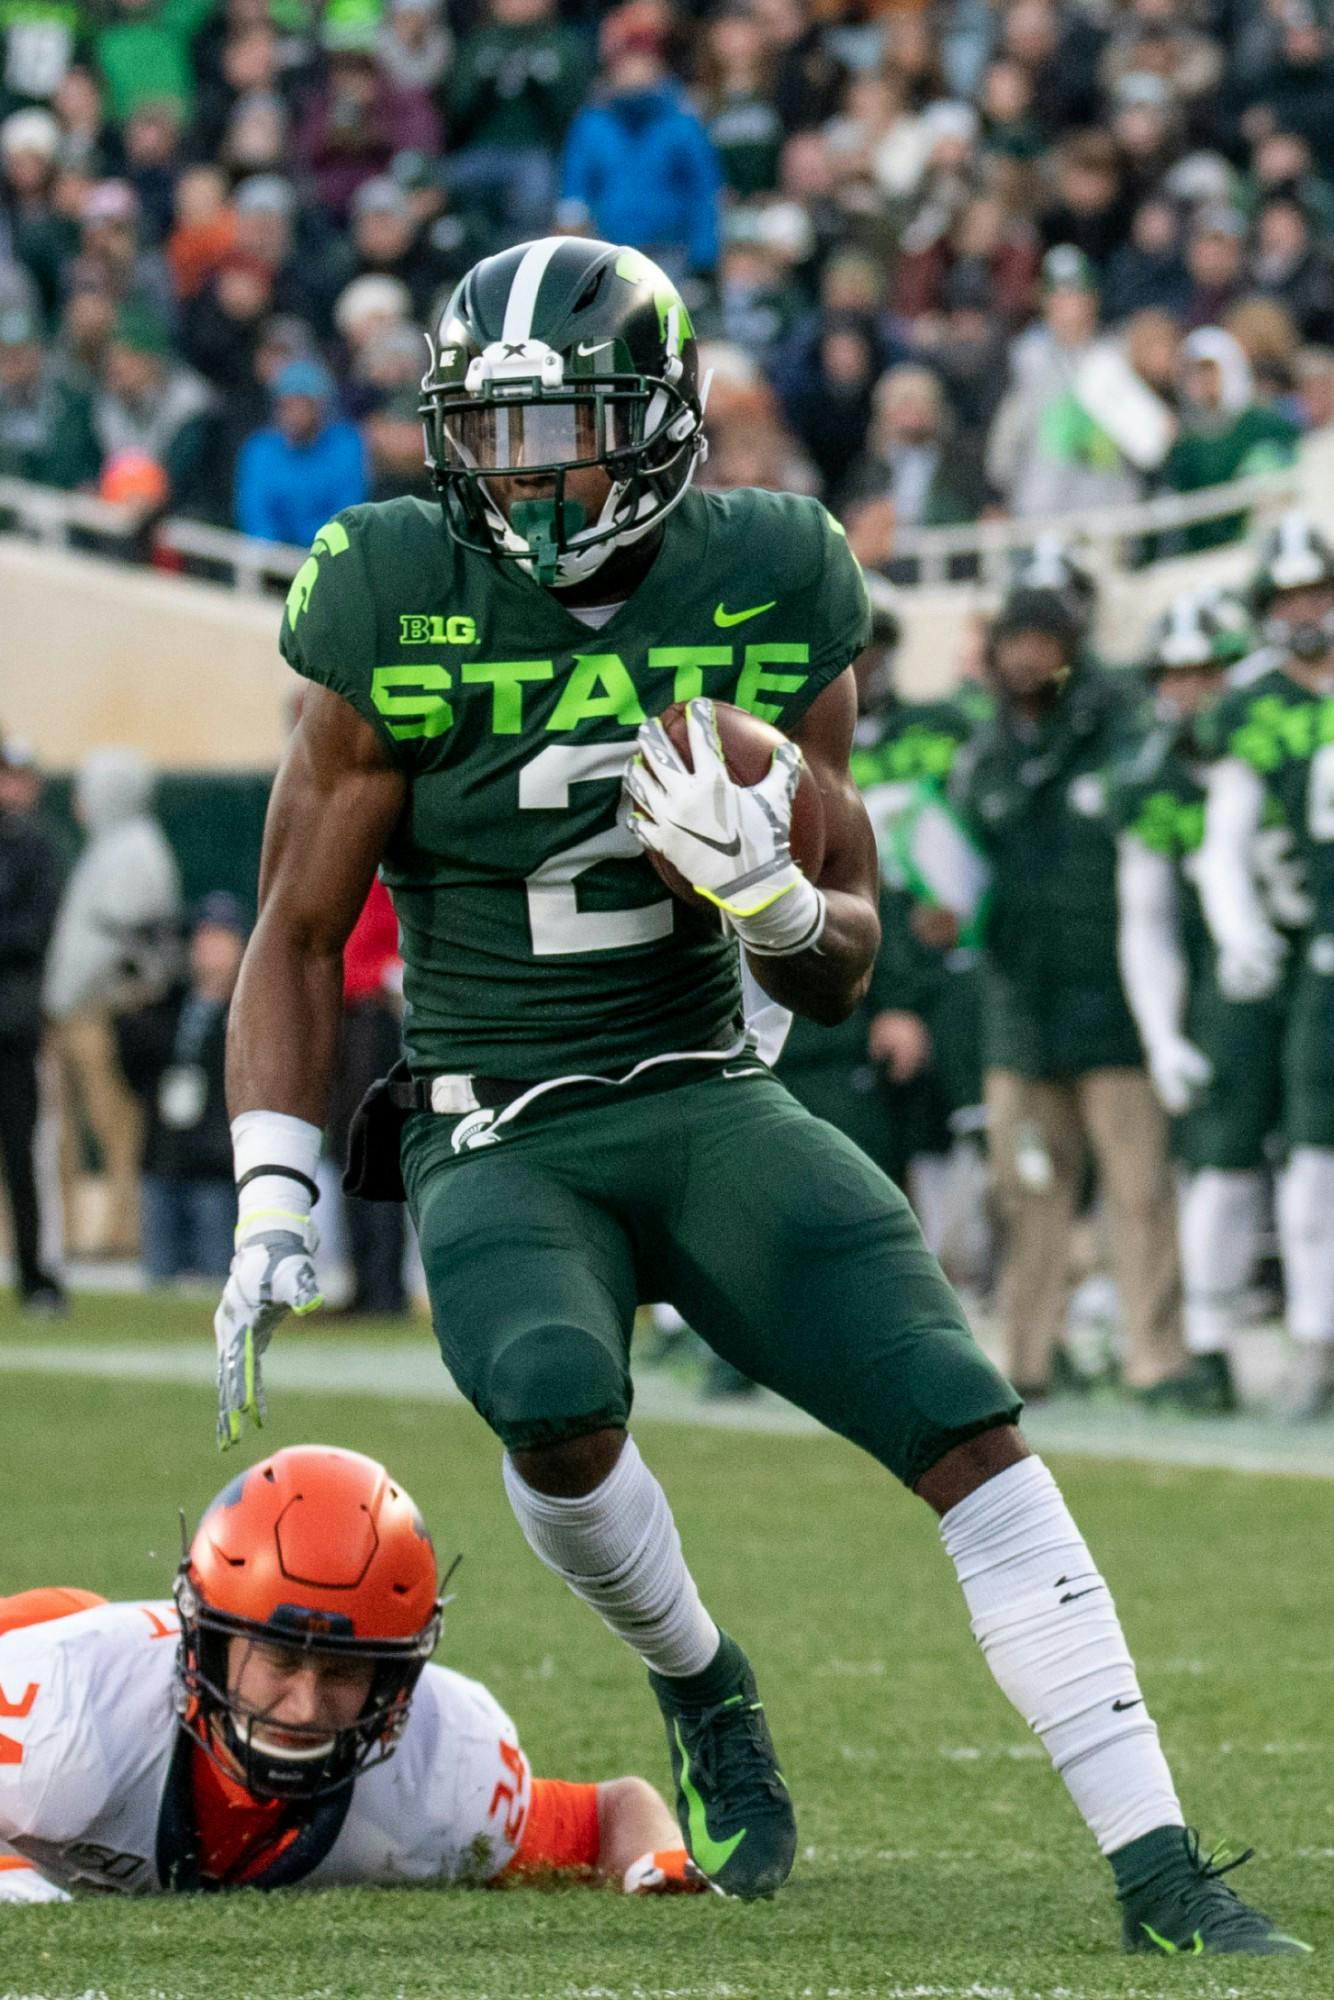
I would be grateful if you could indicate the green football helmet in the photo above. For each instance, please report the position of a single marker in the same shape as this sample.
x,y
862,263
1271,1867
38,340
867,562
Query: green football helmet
x,y
1200,629
550,357
1294,556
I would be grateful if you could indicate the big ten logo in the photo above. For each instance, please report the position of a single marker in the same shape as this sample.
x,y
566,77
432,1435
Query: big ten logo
x,y
510,1798
419,628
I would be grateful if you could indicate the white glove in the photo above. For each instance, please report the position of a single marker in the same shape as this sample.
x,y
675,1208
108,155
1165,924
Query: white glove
x,y
1250,969
1179,1073
668,1873
272,1273
730,841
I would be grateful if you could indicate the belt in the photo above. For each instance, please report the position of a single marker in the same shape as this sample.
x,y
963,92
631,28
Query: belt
x,y
452,1095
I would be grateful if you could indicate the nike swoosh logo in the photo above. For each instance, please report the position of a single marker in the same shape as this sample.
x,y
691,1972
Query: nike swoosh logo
x,y
711,1855
585,349
732,846
760,1072
725,618
1071,1595
1120,1706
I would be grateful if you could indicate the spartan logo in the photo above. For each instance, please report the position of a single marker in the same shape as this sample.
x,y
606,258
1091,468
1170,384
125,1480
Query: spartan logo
x,y
419,628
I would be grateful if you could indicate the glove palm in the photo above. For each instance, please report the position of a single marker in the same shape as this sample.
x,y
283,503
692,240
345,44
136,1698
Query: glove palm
x,y
273,1273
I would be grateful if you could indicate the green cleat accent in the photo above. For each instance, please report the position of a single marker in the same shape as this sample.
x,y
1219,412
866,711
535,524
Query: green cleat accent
x,y
732,1803
1182,1907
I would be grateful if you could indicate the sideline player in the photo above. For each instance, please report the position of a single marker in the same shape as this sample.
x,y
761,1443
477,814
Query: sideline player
x,y
590,1127
1213,1061
1275,738
243,1736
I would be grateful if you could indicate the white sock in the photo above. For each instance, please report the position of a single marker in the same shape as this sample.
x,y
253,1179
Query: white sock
x,y
1306,1239
618,1549
1045,1620
1221,1217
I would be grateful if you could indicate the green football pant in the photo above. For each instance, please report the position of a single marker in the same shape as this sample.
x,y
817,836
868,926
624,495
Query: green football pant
x,y
1308,1054
796,1259
1243,1105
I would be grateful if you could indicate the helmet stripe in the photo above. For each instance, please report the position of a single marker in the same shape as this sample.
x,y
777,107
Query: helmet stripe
x,y
522,301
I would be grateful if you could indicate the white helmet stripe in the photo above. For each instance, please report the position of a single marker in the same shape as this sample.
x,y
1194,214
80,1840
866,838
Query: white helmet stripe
x,y
522,301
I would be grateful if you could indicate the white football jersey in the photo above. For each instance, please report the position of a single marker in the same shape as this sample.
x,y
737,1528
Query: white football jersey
x,y
87,1735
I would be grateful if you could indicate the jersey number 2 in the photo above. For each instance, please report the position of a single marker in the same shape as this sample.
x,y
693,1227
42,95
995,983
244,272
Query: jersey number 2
x,y
557,924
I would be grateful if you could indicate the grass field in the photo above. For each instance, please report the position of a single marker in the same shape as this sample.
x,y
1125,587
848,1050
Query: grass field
x,y
940,1856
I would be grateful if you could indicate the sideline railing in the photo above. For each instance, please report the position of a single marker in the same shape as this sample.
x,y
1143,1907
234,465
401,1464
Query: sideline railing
x,y
977,554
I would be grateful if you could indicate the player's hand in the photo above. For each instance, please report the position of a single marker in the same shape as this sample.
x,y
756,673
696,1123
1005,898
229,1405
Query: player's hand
x,y
1179,1073
1251,969
730,841
272,1273
670,1872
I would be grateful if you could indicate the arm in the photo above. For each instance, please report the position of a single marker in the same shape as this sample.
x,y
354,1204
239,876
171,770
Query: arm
x,y
616,1831
828,980
1154,971
333,808
1250,950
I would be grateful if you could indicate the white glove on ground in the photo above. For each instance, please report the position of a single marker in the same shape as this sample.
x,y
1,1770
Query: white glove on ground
x,y
730,841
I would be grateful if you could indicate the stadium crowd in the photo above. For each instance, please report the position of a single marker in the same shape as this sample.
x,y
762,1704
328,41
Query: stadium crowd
x,y
948,260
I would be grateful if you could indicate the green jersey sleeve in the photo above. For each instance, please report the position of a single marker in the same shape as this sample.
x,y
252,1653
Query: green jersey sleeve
x,y
329,622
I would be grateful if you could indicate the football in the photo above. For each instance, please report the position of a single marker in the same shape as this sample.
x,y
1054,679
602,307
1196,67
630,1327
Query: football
x,y
748,748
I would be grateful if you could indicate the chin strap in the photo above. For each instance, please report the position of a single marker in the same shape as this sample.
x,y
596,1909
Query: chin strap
x,y
548,527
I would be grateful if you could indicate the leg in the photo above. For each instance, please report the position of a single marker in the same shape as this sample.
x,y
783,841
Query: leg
x,y
212,1221
533,1287
18,1131
1037,1156
813,1276
1221,1215
164,1230
1306,1194
116,1120
1129,1137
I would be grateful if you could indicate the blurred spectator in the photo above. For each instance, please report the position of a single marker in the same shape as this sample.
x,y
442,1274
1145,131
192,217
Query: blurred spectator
x,y
292,476
305,283
1147,269
46,430
638,166
356,120
1047,453
152,404
1314,372
915,465
173,1055
737,100
809,78
37,45
827,398
1225,433
204,229
519,80
1216,264
389,242
414,46
1064,1068
142,53
115,947
31,870
371,1043
1288,266
1092,207
110,241
369,307
152,148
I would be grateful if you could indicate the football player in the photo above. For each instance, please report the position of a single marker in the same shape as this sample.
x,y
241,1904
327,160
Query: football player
x,y
243,1736
1275,736
587,1125
1213,1061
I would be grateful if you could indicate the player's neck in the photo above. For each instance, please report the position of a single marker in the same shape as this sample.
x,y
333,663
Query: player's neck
x,y
618,578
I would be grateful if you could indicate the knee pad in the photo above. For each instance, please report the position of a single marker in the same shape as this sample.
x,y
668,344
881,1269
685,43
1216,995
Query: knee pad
x,y
552,1382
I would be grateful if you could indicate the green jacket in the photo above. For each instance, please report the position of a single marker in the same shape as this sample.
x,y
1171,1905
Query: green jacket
x,y
1037,806
1257,440
517,86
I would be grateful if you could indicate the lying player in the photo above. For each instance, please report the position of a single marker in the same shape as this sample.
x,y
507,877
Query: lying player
x,y
244,1737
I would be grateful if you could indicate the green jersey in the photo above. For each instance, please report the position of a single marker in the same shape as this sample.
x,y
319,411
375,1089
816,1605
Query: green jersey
x,y
898,749
1285,732
537,940
1157,797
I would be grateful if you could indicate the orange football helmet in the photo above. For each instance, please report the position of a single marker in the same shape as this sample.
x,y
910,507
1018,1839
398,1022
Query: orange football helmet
x,y
314,1549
